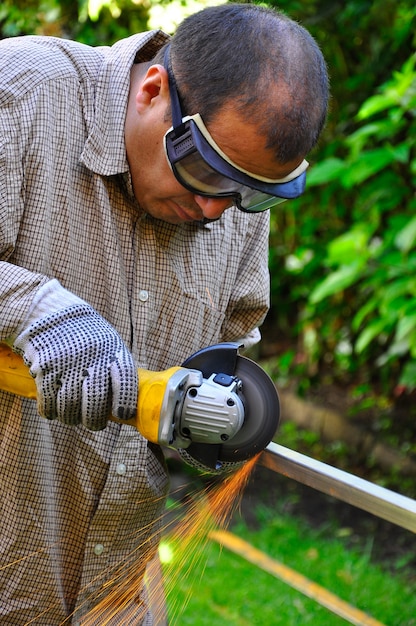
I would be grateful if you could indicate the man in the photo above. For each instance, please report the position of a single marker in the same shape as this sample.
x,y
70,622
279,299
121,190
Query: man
x,y
118,253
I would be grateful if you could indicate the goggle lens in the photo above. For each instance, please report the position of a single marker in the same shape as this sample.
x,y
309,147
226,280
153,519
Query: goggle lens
x,y
206,171
196,175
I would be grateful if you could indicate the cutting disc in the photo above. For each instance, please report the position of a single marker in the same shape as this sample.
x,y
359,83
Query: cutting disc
x,y
261,405
261,412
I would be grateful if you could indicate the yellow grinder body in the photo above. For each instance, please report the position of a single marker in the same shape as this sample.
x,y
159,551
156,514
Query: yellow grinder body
x,y
219,405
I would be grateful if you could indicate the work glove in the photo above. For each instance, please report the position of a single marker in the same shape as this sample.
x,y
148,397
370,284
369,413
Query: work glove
x,y
159,393
82,369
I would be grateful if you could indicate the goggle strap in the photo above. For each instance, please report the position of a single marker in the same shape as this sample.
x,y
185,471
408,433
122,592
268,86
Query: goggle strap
x,y
174,94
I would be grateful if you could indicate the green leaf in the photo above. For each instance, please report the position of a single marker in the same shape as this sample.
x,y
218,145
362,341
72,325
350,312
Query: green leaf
x,y
405,326
369,333
398,91
337,281
369,163
344,249
379,130
401,152
371,305
328,170
377,103
396,265
408,377
401,287
395,351
405,239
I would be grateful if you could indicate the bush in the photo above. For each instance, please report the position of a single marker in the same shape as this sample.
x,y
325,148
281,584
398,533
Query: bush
x,y
342,254
372,265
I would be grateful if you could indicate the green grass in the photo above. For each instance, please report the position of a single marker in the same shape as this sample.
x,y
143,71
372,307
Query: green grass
x,y
223,589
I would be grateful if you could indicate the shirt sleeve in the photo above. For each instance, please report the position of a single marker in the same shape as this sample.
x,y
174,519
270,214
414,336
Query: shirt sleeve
x,y
18,287
25,180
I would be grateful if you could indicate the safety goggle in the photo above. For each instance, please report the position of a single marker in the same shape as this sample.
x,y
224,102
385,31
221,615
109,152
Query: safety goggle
x,y
200,165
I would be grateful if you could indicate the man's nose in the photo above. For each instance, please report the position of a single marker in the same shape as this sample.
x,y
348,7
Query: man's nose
x,y
213,208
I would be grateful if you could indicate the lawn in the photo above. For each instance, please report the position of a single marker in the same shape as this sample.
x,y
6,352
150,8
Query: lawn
x,y
207,584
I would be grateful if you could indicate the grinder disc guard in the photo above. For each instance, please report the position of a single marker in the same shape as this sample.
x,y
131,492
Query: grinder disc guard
x,y
260,399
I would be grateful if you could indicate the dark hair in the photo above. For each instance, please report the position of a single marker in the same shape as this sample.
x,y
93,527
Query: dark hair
x,y
260,62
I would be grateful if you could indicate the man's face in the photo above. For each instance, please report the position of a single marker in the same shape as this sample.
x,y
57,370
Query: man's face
x,y
155,186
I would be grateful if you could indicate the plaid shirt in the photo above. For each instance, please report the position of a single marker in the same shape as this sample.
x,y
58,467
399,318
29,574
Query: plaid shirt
x,y
74,503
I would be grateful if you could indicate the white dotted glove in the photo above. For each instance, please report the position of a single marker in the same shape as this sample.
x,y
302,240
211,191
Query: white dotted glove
x,y
82,369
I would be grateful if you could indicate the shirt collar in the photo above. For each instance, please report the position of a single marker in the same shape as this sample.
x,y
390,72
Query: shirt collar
x,y
104,151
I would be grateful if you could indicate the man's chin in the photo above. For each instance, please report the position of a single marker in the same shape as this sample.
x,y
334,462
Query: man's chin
x,y
172,213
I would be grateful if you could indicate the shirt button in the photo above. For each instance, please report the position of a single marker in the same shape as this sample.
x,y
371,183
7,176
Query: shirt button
x,y
121,469
143,295
98,549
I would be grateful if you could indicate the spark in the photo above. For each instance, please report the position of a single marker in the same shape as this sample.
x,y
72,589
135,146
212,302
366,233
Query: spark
x,y
126,589
166,553
182,550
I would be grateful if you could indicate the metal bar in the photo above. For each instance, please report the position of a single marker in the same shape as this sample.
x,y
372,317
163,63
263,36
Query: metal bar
x,y
297,581
358,492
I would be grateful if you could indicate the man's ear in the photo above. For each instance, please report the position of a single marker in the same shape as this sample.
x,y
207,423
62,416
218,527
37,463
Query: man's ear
x,y
153,89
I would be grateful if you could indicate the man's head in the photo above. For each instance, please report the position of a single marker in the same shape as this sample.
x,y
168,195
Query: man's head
x,y
256,61
258,81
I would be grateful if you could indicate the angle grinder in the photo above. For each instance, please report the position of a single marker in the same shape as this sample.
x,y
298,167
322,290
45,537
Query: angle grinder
x,y
219,405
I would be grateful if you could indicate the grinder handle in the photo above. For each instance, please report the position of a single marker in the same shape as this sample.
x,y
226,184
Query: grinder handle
x,y
14,374
15,378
